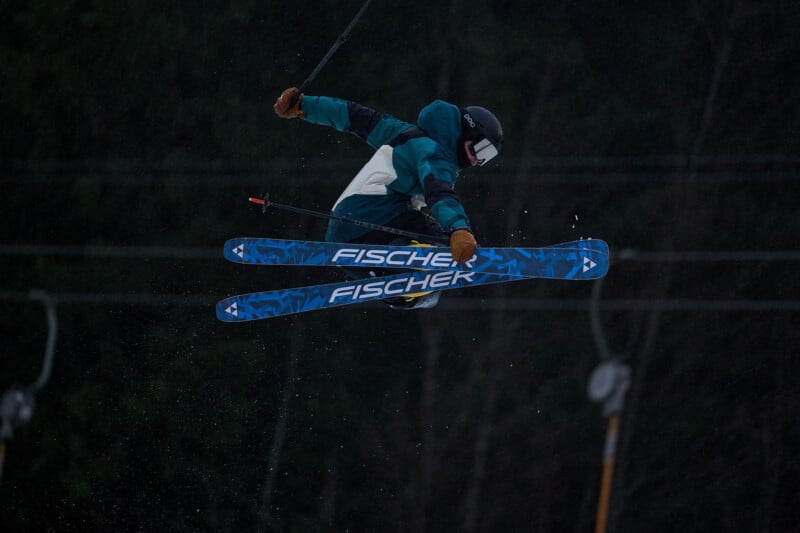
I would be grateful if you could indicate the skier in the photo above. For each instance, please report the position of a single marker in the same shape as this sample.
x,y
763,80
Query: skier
x,y
409,182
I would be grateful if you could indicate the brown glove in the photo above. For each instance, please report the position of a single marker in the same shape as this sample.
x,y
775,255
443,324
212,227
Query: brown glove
x,y
288,104
462,245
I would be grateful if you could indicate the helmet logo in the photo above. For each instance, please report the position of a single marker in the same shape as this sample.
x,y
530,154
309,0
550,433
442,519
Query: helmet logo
x,y
469,120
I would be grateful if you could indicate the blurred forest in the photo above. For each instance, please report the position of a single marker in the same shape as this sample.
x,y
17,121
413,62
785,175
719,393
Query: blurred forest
x,y
131,135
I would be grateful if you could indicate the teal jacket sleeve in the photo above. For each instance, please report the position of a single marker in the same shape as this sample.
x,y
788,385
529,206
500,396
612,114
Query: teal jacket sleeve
x,y
445,204
326,111
435,174
372,126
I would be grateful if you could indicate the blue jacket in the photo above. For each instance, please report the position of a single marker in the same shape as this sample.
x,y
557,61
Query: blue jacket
x,y
424,158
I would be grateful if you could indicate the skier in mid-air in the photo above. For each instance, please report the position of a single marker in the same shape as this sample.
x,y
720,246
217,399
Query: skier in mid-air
x,y
409,183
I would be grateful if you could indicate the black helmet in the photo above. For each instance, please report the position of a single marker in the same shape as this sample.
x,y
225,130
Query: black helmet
x,y
477,124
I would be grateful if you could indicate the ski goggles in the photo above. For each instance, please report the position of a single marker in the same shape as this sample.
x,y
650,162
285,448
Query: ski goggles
x,y
484,150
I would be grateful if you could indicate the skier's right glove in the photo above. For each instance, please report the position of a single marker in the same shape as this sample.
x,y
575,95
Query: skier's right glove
x,y
462,245
288,104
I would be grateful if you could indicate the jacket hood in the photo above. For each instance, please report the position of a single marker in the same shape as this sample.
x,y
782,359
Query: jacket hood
x,y
442,122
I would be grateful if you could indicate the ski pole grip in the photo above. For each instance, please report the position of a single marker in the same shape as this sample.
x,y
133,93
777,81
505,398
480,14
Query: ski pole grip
x,y
264,203
295,97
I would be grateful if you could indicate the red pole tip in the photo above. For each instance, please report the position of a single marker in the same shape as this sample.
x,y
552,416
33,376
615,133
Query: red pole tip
x,y
257,201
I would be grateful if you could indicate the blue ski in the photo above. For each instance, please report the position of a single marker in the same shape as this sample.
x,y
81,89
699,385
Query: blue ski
x,y
571,264
525,262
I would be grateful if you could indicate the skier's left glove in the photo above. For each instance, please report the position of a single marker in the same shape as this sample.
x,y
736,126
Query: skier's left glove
x,y
462,245
288,104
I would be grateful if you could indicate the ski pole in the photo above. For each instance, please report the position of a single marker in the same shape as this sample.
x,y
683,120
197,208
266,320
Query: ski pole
x,y
333,49
265,202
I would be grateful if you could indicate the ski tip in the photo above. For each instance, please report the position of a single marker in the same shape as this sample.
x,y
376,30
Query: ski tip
x,y
259,201
234,250
227,311
594,266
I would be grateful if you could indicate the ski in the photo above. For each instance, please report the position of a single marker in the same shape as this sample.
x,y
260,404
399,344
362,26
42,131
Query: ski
x,y
571,264
543,262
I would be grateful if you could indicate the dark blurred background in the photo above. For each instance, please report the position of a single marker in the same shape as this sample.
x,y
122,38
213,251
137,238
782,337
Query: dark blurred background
x,y
131,135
